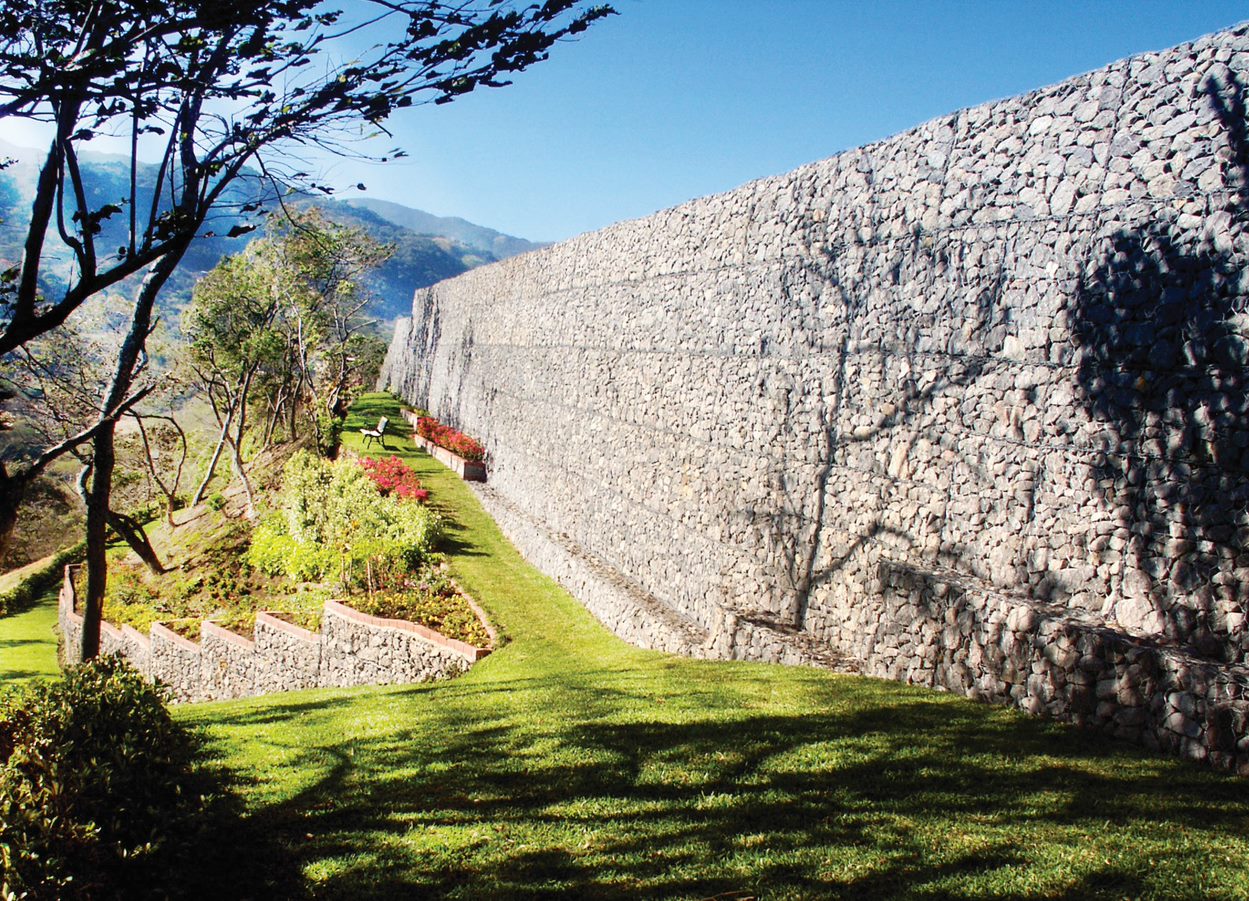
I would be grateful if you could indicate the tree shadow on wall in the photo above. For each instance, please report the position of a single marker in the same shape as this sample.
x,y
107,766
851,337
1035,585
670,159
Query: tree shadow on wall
x,y
1159,320
807,565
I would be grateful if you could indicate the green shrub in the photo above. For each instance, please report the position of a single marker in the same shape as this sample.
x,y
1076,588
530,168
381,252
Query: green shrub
x,y
99,797
333,522
275,552
130,599
329,434
216,501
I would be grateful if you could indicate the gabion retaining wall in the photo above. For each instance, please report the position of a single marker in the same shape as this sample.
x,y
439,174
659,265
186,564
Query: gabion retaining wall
x,y
1007,348
352,648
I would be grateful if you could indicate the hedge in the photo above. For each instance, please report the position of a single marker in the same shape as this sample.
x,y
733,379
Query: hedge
x,y
34,584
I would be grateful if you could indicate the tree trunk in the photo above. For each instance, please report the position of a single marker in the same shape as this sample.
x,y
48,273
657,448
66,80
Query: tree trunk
x,y
104,458
131,531
97,499
216,457
292,412
237,459
236,444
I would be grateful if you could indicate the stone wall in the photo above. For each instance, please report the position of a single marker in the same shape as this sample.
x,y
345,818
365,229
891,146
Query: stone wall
x,y
352,648
1005,348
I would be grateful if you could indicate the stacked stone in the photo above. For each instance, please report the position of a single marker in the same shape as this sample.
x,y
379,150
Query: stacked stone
x,y
942,630
628,612
357,649
175,663
351,649
228,664
69,623
289,658
1010,344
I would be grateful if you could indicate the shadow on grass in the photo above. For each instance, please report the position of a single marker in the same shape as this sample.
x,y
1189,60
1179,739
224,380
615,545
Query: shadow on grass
x,y
236,857
22,674
21,642
456,540
580,790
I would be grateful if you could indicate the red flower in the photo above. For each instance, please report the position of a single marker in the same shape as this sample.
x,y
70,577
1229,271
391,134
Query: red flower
x,y
452,439
392,475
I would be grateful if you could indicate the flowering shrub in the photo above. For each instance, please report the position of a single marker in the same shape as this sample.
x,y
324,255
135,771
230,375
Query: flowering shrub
x,y
452,439
393,476
334,520
100,788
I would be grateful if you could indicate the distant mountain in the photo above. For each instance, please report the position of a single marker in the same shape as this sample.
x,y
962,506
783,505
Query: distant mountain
x,y
428,248
495,244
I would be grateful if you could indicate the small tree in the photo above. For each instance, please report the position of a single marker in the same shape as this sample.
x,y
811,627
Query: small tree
x,y
57,381
228,87
329,263
281,323
230,335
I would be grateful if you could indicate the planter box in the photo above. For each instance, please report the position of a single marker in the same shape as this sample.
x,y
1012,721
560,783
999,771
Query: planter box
x,y
468,470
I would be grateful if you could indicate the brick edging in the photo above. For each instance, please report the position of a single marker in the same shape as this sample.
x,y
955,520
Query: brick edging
x,y
283,626
208,628
204,670
167,634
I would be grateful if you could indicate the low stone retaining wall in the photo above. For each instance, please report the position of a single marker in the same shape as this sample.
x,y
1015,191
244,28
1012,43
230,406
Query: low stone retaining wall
x,y
945,631
352,648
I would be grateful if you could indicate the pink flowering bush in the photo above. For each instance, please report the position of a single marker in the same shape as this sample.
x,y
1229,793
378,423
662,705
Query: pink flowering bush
x,y
393,476
452,439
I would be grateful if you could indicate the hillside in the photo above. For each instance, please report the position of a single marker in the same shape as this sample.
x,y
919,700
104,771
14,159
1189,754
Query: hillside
x,y
495,244
428,248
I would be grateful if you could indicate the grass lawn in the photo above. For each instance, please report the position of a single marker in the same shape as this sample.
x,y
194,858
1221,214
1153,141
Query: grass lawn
x,y
571,765
27,643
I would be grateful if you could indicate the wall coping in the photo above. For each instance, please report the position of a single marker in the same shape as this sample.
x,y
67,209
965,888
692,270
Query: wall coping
x,y
481,616
208,628
282,625
167,634
134,634
69,600
131,641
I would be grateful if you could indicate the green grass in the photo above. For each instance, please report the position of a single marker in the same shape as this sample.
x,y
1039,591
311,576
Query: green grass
x,y
570,765
27,642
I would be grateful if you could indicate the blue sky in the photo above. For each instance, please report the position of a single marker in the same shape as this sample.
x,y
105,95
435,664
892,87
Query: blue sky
x,y
675,99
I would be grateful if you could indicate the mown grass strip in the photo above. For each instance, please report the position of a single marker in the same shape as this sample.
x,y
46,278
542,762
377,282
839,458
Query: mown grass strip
x,y
28,641
570,765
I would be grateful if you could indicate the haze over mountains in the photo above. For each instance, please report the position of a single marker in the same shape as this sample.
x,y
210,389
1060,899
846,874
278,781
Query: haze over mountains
x,y
428,248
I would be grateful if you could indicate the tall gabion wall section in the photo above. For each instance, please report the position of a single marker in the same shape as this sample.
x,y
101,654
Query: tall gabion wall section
x,y
887,401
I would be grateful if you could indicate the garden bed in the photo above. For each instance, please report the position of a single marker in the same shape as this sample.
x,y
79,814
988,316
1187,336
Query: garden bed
x,y
201,661
341,580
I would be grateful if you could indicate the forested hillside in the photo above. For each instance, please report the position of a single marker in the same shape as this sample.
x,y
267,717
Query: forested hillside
x,y
428,248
